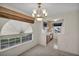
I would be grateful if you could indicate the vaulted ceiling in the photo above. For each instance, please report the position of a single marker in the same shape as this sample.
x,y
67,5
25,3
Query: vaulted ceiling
x,y
52,8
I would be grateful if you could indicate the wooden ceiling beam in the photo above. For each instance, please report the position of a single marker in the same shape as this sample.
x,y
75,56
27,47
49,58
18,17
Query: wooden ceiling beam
x,y
10,14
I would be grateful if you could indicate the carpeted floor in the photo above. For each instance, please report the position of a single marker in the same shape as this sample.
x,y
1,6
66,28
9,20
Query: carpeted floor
x,y
45,51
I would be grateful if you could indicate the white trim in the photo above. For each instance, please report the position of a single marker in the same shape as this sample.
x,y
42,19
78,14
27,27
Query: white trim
x,y
15,46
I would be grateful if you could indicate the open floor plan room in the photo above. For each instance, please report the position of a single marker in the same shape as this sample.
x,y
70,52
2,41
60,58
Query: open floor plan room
x,y
39,29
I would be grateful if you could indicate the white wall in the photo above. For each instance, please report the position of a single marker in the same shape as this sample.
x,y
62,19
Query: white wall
x,y
43,34
43,39
15,27
68,40
2,22
23,47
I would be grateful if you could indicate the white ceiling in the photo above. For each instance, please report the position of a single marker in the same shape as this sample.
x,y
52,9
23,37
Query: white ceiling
x,y
52,8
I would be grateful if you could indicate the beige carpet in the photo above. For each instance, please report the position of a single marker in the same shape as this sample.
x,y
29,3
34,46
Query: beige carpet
x,y
45,51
